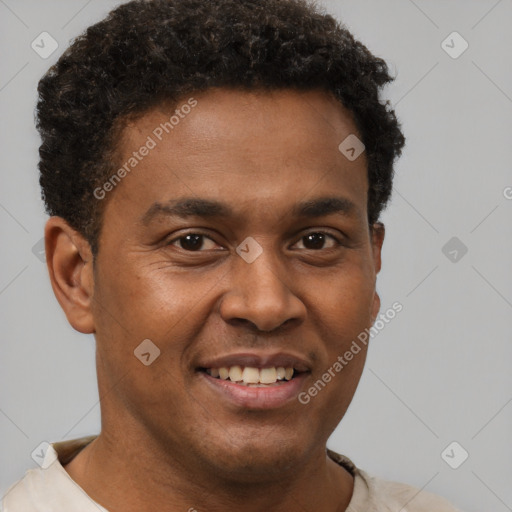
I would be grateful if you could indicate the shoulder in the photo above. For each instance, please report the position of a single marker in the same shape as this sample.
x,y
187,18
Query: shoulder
x,y
49,487
373,494
20,495
385,493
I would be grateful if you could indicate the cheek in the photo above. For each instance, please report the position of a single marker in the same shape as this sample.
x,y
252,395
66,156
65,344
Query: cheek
x,y
345,305
164,306
150,300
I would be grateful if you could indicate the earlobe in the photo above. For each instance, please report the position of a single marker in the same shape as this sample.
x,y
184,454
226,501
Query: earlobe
x,y
375,306
70,266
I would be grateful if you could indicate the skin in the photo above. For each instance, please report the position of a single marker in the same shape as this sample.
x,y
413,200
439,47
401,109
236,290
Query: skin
x,y
168,441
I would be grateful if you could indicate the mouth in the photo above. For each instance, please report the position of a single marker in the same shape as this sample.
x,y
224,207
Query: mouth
x,y
253,381
252,376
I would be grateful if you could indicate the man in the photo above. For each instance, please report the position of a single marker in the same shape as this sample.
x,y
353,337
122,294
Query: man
x,y
215,172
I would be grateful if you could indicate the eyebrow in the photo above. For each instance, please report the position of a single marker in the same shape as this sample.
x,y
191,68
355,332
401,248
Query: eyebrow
x,y
193,207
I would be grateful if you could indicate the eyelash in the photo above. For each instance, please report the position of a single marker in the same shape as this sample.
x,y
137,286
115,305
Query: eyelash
x,y
182,236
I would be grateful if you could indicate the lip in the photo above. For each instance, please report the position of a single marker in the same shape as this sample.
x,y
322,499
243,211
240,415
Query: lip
x,y
247,397
259,360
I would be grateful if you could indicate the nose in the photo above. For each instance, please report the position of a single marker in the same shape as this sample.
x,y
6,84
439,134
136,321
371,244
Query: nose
x,y
262,294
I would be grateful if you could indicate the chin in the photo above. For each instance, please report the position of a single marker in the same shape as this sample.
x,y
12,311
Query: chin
x,y
255,458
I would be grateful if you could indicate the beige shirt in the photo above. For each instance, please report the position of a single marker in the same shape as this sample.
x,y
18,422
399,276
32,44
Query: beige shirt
x,y
51,489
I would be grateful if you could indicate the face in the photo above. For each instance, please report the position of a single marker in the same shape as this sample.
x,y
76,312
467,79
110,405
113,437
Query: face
x,y
240,240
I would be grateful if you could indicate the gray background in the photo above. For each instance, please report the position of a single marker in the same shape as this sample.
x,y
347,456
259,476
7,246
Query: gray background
x,y
439,372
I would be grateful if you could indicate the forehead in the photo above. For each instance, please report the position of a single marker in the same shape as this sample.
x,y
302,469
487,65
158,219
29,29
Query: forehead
x,y
247,148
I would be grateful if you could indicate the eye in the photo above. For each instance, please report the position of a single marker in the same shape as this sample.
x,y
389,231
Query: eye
x,y
317,240
197,242
194,242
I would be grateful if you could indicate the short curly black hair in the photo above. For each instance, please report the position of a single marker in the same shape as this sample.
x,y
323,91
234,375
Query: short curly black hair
x,y
147,53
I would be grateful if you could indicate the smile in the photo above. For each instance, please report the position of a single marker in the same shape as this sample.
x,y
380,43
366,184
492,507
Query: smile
x,y
255,380
251,376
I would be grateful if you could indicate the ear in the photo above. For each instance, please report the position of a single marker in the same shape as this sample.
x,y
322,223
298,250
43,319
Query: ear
x,y
377,233
70,265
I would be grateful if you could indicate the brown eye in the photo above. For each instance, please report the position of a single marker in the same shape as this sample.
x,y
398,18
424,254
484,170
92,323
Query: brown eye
x,y
193,242
317,241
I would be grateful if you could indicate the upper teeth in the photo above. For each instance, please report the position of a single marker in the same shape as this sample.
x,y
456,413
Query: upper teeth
x,y
250,375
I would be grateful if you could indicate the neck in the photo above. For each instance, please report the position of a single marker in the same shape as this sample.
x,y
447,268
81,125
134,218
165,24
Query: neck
x,y
140,479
